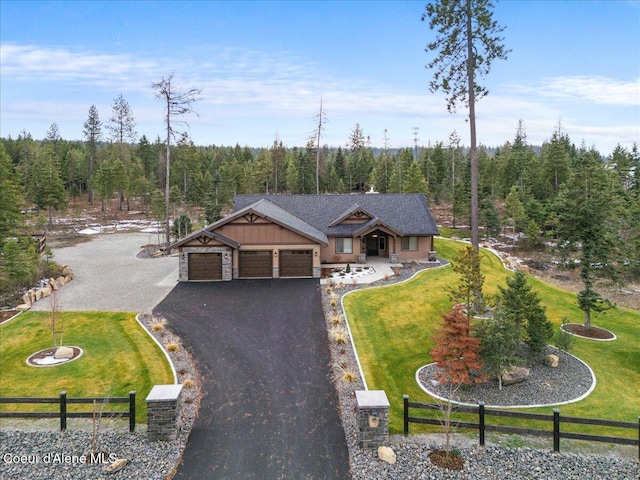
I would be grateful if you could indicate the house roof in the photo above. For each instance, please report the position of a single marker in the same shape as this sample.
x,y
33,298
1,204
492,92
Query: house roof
x,y
204,232
265,209
407,214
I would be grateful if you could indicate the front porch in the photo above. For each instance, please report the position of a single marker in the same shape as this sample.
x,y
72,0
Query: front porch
x,y
375,269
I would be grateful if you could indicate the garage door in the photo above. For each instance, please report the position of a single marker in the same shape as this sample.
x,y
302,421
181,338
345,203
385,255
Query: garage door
x,y
296,263
255,264
205,266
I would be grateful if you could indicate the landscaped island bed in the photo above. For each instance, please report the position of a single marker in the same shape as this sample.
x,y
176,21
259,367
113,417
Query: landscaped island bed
x,y
392,329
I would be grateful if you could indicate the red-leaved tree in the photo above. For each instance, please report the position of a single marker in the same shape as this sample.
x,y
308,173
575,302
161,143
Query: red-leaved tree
x,y
457,353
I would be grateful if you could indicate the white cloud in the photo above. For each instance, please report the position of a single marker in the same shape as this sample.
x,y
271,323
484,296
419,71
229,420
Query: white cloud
x,y
596,89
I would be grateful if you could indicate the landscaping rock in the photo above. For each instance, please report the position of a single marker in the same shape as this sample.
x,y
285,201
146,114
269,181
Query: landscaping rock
x,y
53,285
26,299
116,466
552,361
63,352
38,294
386,454
23,307
46,291
514,375
60,281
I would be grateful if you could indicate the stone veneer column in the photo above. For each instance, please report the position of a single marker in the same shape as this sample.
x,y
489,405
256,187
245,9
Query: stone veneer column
x,y
373,418
164,405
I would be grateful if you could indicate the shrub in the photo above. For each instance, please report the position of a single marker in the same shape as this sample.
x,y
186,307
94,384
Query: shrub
x,y
348,376
333,299
338,335
172,347
335,319
188,383
564,340
348,269
157,324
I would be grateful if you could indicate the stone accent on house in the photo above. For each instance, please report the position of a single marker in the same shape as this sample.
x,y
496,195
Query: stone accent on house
x,y
372,418
394,258
164,405
183,263
317,271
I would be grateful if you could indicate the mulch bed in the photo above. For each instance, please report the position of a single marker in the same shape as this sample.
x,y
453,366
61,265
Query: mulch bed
x,y
6,315
591,332
452,461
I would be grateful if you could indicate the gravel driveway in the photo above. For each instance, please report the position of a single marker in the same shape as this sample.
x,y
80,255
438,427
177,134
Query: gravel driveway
x,y
108,275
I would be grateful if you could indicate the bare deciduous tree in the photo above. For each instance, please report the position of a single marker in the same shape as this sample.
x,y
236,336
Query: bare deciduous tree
x,y
177,103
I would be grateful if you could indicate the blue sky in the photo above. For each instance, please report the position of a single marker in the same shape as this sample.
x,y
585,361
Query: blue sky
x,y
263,66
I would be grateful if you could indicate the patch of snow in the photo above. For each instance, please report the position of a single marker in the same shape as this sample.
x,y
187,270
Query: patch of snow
x,y
49,360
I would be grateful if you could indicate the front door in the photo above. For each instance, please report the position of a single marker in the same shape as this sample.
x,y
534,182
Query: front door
x,y
372,246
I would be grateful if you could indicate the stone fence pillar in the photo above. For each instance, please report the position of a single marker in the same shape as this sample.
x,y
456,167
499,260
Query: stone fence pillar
x,y
373,418
164,404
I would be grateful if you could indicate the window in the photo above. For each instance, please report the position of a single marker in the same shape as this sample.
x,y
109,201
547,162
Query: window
x,y
410,243
382,243
344,245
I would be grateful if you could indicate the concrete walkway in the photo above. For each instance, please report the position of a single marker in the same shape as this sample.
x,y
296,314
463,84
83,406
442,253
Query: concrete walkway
x,y
108,275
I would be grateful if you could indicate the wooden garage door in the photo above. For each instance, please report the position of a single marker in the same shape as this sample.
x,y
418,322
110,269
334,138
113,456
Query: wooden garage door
x,y
255,264
296,263
205,266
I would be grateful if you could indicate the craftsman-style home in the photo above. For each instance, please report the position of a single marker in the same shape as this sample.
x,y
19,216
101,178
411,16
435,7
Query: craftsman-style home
x,y
280,236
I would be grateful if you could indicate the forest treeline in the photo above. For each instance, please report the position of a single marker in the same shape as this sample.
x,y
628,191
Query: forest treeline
x,y
522,189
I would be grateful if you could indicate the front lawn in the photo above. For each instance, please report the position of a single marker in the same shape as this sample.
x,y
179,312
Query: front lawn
x,y
392,328
119,356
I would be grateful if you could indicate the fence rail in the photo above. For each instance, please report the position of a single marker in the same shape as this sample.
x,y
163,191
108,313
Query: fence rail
x,y
63,414
554,421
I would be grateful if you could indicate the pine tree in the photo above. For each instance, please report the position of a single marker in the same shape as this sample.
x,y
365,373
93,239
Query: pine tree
x,y
586,223
11,197
466,263
499,340
467,42
92,133
521,306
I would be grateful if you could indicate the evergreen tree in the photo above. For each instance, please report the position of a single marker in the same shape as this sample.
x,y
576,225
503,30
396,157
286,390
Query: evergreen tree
x,y
414,181
92,133
585,209
467,42
122,124
11,198
49,192
499,341
521,306
466,263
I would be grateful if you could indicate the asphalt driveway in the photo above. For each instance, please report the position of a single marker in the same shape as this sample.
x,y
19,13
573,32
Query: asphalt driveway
x,y
269,409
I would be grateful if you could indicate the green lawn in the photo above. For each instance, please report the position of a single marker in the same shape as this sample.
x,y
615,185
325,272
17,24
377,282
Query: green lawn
x,y
392,326
119,356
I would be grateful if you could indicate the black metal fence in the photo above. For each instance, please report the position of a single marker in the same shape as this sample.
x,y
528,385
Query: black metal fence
x,y
63,414
553,422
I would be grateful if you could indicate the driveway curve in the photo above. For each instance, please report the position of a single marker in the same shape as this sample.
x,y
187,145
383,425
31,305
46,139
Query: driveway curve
x,y
269,408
